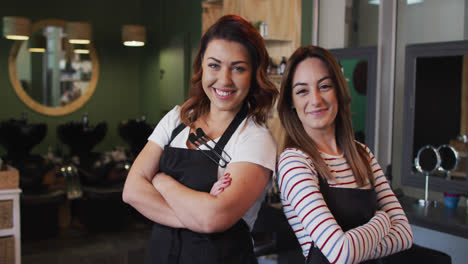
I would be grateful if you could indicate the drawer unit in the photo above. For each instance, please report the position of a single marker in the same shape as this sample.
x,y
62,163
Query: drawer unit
x,y
10,236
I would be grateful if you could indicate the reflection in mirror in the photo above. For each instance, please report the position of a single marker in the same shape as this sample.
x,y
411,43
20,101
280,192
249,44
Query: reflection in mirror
x,y
359,68
355,71
51,75
449,160
439,86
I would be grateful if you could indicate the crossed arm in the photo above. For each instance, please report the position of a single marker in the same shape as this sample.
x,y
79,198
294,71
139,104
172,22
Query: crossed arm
x,y
386,233
140,193
164,200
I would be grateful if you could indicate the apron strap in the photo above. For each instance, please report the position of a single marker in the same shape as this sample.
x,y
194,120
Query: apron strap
x,y
175,132
240,116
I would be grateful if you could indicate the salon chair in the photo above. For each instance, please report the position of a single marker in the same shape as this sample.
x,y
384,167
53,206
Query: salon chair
x,y
272,234
100,208
135,132
19,137
39,200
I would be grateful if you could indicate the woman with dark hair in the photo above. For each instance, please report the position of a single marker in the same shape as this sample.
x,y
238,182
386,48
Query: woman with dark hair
x,y
217,138
334,193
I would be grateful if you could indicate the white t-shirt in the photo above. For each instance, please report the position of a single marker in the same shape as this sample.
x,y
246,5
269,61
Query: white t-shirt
x,y
249,143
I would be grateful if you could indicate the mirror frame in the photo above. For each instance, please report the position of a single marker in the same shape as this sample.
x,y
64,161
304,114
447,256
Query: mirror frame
x,y
414,51
455,154
28,100
417,160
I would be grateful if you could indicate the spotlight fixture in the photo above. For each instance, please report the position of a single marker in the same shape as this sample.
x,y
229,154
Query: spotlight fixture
x,y
408,2
133,35
16,28
37,43
81,51
79,32
80,48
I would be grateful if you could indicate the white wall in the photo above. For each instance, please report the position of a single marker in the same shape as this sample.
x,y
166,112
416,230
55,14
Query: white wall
x,y
435,21
332,24
368,22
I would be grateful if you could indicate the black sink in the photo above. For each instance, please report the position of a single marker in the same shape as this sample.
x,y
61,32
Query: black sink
x,y
19,137
80,137
135,133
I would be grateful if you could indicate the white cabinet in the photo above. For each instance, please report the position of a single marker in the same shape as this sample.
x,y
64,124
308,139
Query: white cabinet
x,y
10,236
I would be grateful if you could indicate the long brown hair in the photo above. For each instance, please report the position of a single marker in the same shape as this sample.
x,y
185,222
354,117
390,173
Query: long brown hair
x,y
262,91
296,136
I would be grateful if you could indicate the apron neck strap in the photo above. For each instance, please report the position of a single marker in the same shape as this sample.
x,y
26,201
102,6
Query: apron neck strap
x,y
240,116
176,131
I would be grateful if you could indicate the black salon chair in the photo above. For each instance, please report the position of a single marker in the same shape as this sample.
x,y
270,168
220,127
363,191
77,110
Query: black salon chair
x,y
272,234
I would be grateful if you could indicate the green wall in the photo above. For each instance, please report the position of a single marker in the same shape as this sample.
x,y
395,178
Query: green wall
x,y
128,85
177,35
306,22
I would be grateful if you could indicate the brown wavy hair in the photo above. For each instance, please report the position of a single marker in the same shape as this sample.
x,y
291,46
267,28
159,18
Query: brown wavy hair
x,y
262,93
296,136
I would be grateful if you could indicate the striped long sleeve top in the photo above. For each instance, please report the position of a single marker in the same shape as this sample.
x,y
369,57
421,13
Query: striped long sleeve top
x,y
386,233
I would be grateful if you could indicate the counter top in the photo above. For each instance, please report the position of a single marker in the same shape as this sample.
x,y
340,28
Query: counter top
x,y
439,218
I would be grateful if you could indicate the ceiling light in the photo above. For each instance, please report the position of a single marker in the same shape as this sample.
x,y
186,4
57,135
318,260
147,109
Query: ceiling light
x,y
37,43
79,32
16,28
133,35
81,51
409,2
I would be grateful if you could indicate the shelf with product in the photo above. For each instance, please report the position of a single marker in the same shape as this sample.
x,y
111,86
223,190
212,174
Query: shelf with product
x,y
281,21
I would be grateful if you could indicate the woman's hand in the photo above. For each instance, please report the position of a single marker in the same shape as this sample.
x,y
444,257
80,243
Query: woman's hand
x,y
221,184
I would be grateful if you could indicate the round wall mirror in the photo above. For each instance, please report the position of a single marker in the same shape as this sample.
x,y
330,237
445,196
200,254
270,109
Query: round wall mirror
x,y
427,160
51,75
449,159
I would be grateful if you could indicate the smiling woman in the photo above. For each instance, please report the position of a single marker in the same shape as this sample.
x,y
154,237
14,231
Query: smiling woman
x,y
227,72
204,209
49,74
314,98
334,194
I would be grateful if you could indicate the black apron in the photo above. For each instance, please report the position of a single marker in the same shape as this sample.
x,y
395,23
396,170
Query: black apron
x,y
179,245
350,207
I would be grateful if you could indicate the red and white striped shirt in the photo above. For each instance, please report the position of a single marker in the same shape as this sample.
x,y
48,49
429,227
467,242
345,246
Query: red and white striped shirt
x,y
386,233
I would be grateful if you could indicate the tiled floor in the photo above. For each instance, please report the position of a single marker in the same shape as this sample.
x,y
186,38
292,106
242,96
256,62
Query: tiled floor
x,y
77,246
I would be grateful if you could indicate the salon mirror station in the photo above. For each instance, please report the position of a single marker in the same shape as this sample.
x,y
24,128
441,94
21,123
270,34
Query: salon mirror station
x,y
436,112
51,73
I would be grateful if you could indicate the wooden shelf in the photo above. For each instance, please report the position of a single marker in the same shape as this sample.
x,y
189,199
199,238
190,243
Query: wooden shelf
x,y
283,19
211,4
275,77
267,40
